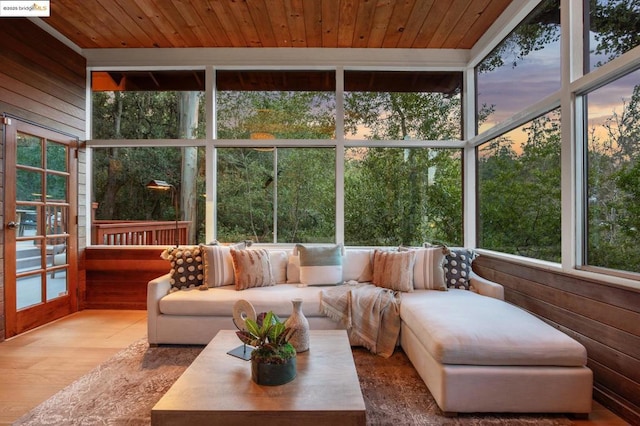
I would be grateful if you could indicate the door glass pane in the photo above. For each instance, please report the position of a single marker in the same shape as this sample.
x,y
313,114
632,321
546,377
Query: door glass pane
x,y
28,185
56,217
56,277
56,157
56,188
28,291
27,220
29,150
28,256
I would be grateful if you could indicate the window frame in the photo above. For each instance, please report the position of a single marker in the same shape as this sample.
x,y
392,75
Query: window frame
x,y
573,83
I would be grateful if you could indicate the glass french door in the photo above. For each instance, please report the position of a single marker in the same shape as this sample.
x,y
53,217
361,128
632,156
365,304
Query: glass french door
x,y
40,211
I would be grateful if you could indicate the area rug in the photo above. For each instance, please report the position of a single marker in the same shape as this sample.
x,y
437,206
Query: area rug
x,y
122,391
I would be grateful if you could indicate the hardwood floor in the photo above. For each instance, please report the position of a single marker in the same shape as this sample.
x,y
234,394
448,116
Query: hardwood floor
x,y
37,364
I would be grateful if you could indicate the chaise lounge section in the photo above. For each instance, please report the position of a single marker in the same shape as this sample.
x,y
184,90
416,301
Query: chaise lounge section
x,y
475,352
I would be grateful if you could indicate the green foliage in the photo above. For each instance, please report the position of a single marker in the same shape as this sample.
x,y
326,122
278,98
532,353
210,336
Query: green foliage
x,y
270,338
519,192
616,26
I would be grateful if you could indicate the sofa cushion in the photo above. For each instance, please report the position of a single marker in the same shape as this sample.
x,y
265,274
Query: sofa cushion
x,y
457,266
320,265
186,267
219,301
394,270
462,327
251,268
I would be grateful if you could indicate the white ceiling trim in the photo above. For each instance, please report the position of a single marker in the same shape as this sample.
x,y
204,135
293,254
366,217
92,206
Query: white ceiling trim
x,y
506,22
429,59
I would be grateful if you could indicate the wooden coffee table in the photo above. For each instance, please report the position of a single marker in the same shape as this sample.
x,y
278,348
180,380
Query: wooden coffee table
x,y
217,388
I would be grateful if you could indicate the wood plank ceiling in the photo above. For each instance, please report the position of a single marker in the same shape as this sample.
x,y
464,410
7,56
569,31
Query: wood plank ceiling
x,y
415,24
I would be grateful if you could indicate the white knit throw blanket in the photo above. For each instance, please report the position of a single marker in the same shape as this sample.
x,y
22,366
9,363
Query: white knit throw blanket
x,y
370,314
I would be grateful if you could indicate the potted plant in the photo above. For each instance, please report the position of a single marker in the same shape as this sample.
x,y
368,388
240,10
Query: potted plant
x,y
273,361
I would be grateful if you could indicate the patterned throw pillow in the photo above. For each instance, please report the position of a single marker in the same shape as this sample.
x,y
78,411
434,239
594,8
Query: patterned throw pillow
x,y
320,265
394,270
457,267
252,268
186,267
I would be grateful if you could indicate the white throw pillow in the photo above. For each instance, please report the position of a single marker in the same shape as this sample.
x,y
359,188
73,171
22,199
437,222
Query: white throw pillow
x,y
358,265
279,260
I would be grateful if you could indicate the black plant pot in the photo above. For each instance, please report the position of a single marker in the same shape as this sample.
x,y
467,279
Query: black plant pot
x,y
273,374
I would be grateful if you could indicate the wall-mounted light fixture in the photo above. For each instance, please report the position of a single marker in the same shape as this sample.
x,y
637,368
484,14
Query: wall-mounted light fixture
x,y
161,185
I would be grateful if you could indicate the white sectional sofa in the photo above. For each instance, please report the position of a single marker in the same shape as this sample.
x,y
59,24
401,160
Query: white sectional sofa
x,y
475,352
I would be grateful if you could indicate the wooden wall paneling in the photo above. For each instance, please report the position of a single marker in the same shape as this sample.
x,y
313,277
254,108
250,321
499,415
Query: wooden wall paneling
x,y
26,95
21,38
603,317
602,291
599,352
614,316
117,277
624,389
622,408
614,338
18,69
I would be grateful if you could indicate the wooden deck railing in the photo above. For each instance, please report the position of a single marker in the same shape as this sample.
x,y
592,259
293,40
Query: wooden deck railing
x,y
130,233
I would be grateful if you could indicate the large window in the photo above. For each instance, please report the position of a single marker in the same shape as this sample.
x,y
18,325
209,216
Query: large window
x,y
137,105
519,190
124,204
263,105
611,28
403,105
280,195
148,105
613,191
522,69
403,196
